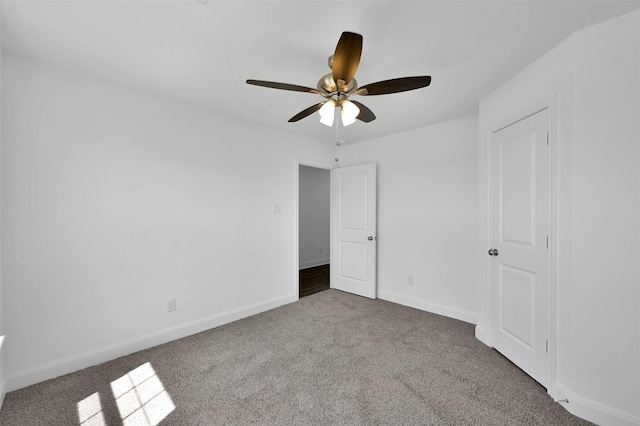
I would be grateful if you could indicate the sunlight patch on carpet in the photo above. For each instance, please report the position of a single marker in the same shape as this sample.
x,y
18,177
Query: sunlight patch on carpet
x,y
141,397
90,411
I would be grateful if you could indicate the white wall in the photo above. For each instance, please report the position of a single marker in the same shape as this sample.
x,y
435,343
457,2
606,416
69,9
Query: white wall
x,y
606,225
427,215
115,201
315,187
594,78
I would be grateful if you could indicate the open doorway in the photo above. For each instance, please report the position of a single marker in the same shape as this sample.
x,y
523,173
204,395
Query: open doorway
x,y
314,229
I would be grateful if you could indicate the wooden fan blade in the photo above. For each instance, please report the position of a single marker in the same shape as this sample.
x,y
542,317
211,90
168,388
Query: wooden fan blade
x,y
307,112
395,85
366,114
282,86
346,57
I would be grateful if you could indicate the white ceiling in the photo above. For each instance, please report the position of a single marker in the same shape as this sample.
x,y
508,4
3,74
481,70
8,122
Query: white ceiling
x,y
204,53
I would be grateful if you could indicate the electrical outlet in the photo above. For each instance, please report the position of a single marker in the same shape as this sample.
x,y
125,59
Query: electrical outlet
x,y
410,281
171,305
276,209
320,251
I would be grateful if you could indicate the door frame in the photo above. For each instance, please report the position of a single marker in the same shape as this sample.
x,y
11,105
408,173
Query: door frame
x,y
549,103
296,258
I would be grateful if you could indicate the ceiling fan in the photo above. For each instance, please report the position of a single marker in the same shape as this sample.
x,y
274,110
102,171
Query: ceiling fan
x,y
337,86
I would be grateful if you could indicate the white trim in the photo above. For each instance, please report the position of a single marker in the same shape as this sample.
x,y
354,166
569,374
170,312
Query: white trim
x,y
531,114
314,263
553,241
49,370
593,411
3,382
481,334
486,242
423,305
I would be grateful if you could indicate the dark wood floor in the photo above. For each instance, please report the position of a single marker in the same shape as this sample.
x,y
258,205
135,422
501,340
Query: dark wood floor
x,y
314,280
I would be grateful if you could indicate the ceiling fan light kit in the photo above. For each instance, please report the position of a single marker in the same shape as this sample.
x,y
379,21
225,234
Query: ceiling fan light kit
x,y
337,86
326,113
349,112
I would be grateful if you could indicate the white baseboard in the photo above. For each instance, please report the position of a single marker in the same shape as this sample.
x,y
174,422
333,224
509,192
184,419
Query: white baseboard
x,y
86,359
314,263
481,334
594,412
3,382
434,308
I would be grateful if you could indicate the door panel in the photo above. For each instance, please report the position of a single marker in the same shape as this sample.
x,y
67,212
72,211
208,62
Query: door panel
x,y
519,232
353,230
517,304
518,189
353,261
353,201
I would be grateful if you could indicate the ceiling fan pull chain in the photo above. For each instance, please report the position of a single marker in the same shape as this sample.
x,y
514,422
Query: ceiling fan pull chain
x,y
337,159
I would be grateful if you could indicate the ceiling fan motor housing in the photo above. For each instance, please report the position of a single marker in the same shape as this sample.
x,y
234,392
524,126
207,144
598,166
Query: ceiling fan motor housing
x,y
330,90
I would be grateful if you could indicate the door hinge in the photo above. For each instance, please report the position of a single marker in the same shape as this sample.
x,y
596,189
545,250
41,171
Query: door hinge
x,y
546,346
547,138
547,242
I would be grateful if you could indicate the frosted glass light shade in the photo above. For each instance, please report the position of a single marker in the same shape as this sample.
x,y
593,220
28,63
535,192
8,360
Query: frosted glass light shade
x,y
349,112
327,112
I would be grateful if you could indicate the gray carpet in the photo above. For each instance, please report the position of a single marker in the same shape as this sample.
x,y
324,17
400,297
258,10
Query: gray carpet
x,y
331,358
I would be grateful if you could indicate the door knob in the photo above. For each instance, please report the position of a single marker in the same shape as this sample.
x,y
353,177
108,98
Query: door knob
x,y
493,252
370,238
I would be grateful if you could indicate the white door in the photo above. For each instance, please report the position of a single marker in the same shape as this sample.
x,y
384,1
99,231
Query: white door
x,y
519,233
353,230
